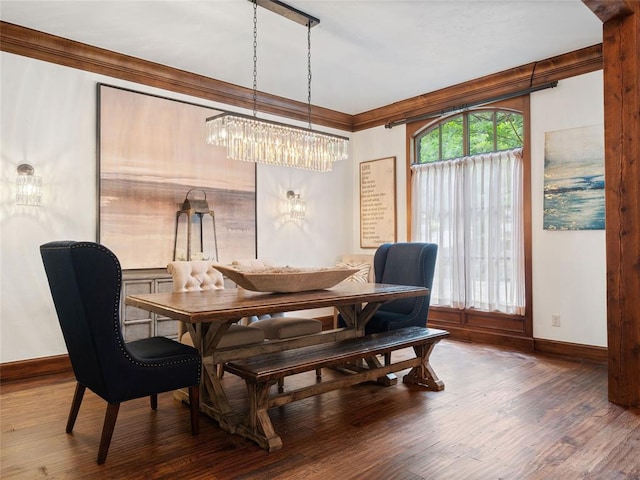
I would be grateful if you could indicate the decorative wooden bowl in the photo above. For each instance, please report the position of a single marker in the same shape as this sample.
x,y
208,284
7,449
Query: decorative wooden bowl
x,y
285,279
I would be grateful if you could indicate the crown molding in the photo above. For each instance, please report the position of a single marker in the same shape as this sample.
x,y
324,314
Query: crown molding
x,y
607,10
50,48
498,84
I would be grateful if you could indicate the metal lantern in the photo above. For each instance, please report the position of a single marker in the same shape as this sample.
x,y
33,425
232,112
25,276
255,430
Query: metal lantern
x,y
196,212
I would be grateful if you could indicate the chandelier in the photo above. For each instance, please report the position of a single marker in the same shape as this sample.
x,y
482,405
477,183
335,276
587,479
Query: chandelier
x,y
251,139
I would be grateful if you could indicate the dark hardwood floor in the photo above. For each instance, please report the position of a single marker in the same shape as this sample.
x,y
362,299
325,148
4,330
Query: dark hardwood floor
x,y
503,415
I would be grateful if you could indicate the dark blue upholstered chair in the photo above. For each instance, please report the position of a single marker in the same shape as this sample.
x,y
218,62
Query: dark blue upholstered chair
x,y
403,264
85,282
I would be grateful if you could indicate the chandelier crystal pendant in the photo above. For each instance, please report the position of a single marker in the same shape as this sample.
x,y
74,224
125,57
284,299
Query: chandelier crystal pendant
x,y
250,139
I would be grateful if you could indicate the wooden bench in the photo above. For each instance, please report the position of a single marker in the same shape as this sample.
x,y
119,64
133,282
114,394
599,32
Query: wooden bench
x,y
263,371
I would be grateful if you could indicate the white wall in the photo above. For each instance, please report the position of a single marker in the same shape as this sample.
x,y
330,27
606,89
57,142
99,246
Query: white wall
x,y
48,118
373,144
569,267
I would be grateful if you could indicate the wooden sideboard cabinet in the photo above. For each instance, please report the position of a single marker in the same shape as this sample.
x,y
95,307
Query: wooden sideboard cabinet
x,y
137,323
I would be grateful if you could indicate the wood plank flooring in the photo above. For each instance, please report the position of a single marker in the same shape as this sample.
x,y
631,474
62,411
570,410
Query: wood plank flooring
x,y
502,415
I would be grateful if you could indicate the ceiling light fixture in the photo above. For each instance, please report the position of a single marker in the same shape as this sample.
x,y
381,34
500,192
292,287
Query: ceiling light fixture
x,y
251,139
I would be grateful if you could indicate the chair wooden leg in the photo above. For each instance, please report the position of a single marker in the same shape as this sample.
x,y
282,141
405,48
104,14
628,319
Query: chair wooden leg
x,y
75,406
194,407
318,373
387,358
107,431
154,401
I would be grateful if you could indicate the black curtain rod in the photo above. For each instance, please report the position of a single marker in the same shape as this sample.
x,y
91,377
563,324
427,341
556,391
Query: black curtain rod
x,y
466,106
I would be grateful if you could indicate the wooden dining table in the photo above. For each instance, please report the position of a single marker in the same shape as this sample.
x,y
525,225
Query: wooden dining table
x,y
208,315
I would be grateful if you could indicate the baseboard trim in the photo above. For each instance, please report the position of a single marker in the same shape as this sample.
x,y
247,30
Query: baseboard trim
x,y
577,351
25,369
502,339
566,350
34,367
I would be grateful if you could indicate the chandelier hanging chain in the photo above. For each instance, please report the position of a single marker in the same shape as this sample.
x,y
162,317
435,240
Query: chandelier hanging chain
x,y
255,58
309,71
251,139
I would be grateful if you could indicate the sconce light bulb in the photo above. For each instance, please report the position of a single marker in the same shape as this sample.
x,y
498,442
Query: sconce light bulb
x,y
297,206
28,186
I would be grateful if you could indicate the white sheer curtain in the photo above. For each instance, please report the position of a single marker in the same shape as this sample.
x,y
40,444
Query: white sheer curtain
x,y
472,208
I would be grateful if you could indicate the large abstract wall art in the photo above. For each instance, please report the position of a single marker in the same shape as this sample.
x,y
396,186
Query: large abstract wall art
x,y
574,179
151,152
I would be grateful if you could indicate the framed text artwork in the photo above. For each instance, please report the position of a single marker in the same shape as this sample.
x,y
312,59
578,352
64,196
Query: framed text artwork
x,y
377,202
151,152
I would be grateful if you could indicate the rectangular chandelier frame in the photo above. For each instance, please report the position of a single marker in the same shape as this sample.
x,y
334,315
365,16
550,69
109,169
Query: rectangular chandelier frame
x,y
251,139
287,11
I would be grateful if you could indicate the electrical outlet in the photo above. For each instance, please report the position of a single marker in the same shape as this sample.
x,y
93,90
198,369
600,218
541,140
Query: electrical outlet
x,y
555,320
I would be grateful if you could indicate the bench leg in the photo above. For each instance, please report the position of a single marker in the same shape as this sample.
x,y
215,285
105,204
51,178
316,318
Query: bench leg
x,y
358,366
387,380
281,380
424,375
257,425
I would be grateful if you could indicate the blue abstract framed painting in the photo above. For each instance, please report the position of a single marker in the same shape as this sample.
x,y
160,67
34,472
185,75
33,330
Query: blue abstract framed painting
x,y
574,179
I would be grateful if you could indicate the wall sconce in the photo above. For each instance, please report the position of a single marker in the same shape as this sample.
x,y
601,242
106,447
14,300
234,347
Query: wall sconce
x,y
297,206
28,186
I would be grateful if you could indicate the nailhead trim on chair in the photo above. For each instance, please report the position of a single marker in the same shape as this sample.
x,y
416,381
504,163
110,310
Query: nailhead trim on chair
x,y
116,314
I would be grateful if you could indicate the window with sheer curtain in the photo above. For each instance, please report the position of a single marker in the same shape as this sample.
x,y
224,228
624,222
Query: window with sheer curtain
x,y
467,198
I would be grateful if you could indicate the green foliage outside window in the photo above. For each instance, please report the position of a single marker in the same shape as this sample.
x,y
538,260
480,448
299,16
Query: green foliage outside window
x,y
481,133
452,131
485,131
429,146
510,128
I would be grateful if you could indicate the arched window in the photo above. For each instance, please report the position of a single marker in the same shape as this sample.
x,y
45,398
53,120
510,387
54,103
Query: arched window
x,y
467,180
471,133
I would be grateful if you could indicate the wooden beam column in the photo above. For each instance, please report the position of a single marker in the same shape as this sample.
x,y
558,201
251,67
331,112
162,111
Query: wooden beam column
x,y
621,62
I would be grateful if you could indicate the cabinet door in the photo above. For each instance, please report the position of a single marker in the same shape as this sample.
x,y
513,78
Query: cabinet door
x,y
136,323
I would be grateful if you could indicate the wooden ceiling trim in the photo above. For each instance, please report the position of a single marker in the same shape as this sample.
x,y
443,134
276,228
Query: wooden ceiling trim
x,y
42,46
50,48
503,83
607,10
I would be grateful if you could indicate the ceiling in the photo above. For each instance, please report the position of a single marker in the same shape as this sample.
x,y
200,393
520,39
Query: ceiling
x,y
365,53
